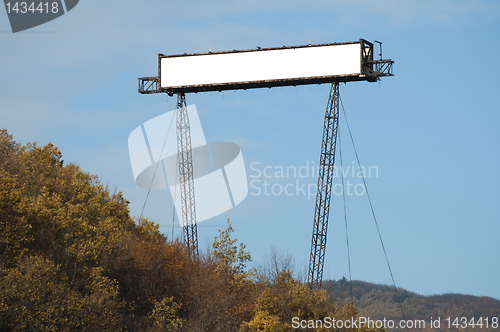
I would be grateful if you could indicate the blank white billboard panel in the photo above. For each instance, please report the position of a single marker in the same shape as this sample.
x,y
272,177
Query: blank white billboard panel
x,y
243,67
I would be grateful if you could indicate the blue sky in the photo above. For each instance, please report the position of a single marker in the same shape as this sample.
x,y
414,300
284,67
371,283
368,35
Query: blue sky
x,y
431,130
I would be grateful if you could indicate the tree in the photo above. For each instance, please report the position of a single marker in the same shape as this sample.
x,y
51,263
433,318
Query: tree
x,y
36,296
278,261
221,293
165,315
226,252
14,228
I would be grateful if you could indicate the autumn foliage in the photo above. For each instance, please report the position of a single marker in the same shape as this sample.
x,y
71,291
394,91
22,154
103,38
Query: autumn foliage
x,y
72,259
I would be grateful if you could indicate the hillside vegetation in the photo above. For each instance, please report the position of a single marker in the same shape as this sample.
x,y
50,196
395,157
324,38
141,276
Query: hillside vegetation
x,y
72,259
380,301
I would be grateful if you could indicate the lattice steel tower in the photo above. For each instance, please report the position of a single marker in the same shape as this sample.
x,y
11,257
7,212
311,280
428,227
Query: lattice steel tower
x,y
323,193
185,156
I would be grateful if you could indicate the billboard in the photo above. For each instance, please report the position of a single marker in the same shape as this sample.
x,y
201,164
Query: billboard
x,y
308,64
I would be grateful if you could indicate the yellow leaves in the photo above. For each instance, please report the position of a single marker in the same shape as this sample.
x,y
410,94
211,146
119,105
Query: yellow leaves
x,y
36,296
8,147
165,314
31,291
226,252
262,321
149,229
285,298
14,230
68,214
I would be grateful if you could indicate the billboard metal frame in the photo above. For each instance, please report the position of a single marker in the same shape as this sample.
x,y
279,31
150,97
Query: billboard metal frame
x,y
370,70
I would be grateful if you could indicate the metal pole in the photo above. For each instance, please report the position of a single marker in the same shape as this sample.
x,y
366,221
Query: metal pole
x,y
186,177
323,194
